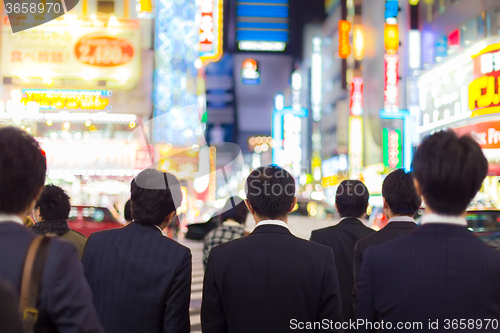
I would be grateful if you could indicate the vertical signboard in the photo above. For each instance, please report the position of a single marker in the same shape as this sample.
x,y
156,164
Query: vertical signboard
x,y
392,148
391,90
355,146
211,24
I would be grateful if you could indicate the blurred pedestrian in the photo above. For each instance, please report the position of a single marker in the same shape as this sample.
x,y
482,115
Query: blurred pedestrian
x,y
52,212
141,279
64,300
401,202
127,211
351,201
440,275
269,281
233,216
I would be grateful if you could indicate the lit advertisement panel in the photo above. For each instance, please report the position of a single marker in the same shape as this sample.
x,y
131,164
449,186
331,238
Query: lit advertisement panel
x,y
355,146
262,25
211,24
392,148
177,48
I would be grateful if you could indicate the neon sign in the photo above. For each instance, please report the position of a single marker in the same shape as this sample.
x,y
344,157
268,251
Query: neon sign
x,y
391,91
250,72
344,47
484,91
355,145
356,100
358,37
52,99
211,30
391,38
392,148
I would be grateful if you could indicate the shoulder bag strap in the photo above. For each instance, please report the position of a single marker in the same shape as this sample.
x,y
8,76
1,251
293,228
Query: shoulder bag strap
x,y
31,280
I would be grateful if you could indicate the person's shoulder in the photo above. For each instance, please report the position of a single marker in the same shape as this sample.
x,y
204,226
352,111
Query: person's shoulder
x,y
77,235
325,230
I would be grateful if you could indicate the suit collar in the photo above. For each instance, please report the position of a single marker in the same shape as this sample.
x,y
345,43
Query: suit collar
x,y
272,229
351,220
395,224
13,227
444,229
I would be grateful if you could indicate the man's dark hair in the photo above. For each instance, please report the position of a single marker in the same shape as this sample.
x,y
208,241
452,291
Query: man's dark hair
x,y
53,203
449,170
270,191
127,211
352,198
22,170
154,195
400,194
234,209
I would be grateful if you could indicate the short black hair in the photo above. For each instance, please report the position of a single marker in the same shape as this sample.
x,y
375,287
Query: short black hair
x,y
22,170
400,194
449,170
352,198
270,191
154,196
127,211
234,209
53,203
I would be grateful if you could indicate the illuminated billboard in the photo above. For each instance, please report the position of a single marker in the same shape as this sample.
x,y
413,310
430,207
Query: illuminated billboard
x,y
392,148
211,24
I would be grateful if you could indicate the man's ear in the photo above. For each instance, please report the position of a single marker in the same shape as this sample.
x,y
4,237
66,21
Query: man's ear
x,y
417,186
169,218
250,208
386,206
31,206
293,204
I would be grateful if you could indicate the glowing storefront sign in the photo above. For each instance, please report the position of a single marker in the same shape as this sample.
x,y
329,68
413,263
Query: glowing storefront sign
x,y
355,145
75,49
391,38
358,42
356,100
144,9
53,99
391,91
484,91
486,134
344,47
250,72
316,79
407,125
392,148
211,30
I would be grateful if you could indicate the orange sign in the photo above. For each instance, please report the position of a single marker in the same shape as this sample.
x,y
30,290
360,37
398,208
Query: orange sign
x,y
344,47
391,38
103,51
484,91
486,134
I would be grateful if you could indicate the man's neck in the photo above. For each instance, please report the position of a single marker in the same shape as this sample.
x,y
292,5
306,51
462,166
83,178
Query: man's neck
x,y
260,219
392,216
429,211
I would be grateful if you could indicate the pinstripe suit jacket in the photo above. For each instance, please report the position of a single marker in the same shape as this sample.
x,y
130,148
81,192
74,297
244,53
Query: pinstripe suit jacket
x,y
438,272
141,280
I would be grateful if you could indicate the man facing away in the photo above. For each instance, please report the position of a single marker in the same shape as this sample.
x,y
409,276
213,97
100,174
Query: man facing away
x,y
401,202
233,217
270,281
141,280
52,212
351,201
440,275
65,300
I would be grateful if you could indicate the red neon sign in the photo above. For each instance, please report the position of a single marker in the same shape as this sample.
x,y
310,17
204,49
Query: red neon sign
x,y
356,100
391,91
344,47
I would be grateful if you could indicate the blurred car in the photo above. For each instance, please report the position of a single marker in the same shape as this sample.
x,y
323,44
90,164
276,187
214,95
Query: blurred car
x,y
89,219
312,208
485,224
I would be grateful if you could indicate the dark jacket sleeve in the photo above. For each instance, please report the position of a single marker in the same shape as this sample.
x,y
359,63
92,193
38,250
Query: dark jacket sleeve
x,y
177,306
331,303
213,319
366,303
69,298
358,258
10,321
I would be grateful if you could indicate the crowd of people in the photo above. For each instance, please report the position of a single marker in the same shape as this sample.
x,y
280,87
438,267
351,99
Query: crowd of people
x,y
347,278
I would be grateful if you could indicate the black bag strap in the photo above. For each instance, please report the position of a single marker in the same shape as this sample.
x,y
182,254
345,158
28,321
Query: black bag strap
x,y
34,264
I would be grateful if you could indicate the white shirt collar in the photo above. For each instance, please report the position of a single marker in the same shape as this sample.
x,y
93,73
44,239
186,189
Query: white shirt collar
x,y
11,218
351,217
159,229
401,219
273,222
444,219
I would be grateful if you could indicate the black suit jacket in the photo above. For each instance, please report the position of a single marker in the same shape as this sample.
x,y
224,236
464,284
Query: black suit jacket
x,y
10,321
65,300
141,280
391,231
342,238
261,282
438,272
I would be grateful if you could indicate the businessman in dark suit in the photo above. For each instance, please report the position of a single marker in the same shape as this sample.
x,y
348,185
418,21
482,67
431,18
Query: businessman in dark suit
x,y
401,202
270,281
10,321
351,201
141,280
65,300
440,274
